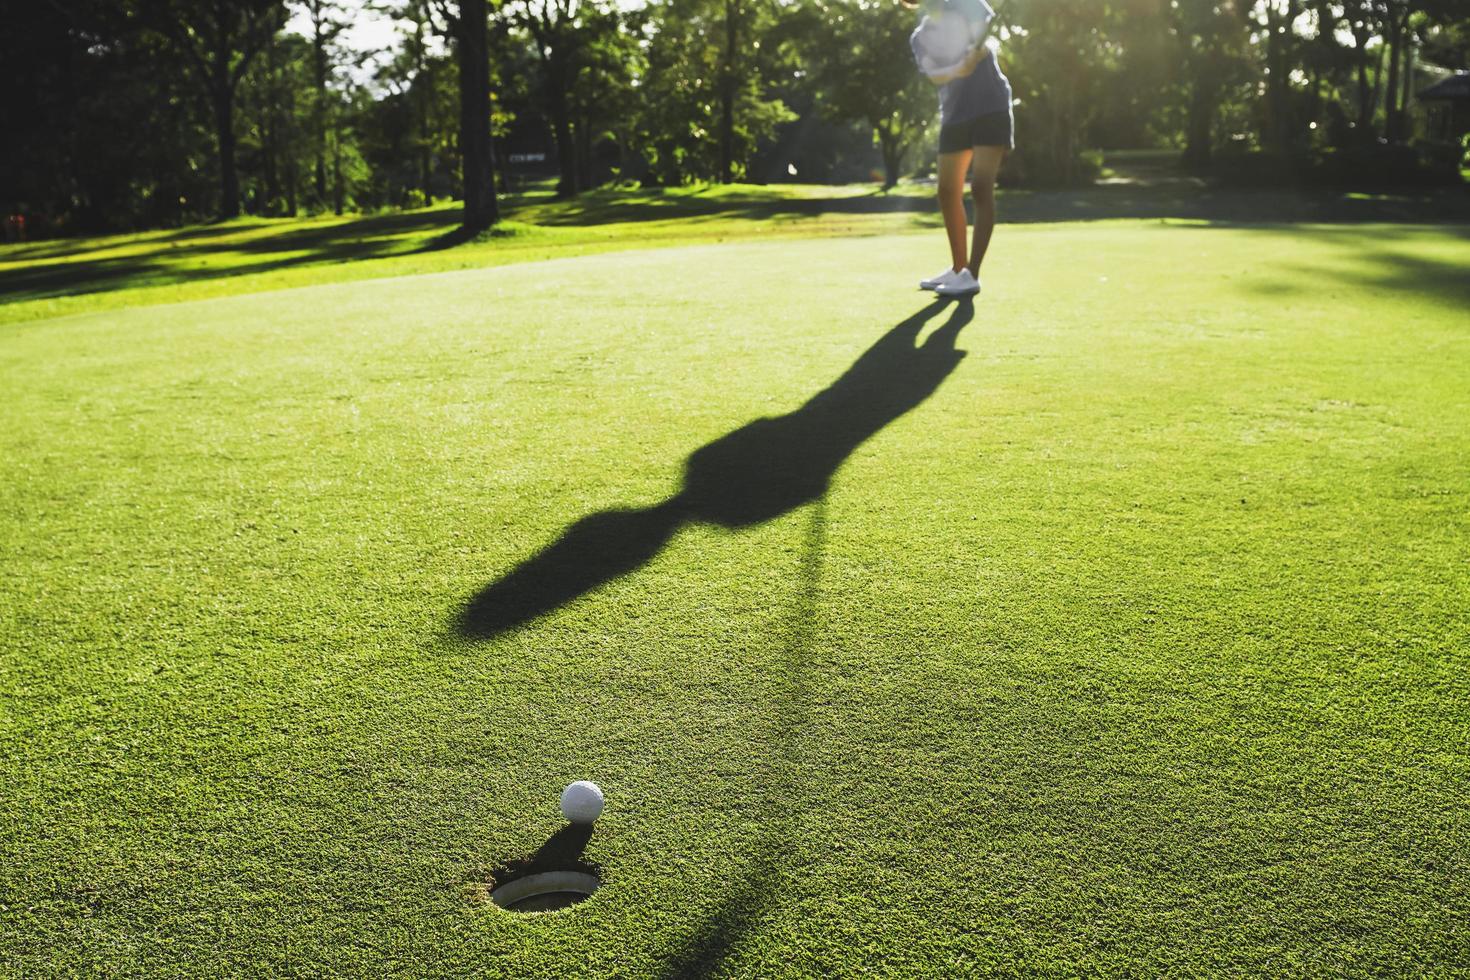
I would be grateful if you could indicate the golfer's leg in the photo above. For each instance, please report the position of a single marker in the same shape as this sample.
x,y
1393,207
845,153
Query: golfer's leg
x,y
982,187
952,167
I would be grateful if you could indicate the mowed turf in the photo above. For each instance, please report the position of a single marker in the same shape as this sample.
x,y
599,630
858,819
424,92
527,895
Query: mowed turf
x,y
1133,641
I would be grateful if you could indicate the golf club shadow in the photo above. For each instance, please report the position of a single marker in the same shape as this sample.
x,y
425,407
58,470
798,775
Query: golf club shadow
x,y
751,475
756,890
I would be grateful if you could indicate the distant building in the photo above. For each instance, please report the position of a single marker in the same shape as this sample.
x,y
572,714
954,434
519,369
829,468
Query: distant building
x,y
1448,105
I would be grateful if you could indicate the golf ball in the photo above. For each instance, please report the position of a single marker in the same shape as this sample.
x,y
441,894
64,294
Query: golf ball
x,y
581,802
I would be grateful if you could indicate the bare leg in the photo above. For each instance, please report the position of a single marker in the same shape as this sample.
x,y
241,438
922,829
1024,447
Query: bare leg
x,y
982,188
952,167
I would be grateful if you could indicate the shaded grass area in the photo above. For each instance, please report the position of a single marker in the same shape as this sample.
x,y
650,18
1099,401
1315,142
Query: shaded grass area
x,y
55,278
1133,643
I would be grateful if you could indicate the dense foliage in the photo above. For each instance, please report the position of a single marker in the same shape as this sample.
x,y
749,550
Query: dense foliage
x,y
145,113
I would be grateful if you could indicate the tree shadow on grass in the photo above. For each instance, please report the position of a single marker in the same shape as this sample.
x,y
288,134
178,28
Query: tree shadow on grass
x,y
626,207
754,474
49,270
1184,202
1372,259
216,253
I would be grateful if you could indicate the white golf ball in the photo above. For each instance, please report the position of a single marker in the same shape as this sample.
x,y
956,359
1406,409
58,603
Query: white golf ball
x,y
581,802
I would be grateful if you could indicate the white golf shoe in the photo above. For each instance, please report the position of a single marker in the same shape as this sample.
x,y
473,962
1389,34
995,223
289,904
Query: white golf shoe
x,y
934,282
959,284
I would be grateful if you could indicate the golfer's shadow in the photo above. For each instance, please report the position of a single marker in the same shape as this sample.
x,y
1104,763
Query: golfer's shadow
x,y
754,474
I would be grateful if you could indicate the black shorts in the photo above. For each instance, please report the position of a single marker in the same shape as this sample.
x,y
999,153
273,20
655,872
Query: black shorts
x,y
991,129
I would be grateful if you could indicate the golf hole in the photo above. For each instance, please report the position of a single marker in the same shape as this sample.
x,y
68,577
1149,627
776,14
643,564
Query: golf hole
x,y
545,891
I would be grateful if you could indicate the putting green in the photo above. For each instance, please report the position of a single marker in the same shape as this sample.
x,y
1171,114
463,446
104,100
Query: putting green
x,y
1135,640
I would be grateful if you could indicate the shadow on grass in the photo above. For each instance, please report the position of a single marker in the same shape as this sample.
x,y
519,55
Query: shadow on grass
x,y
758,472
225,251
759,888
563,850
1369,258
185,256
1099,202
58,248
640,206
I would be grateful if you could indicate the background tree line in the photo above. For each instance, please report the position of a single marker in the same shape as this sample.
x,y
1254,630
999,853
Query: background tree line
x,y
139,113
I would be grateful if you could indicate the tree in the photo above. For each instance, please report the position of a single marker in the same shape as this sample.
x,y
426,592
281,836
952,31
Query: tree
x,y
744,26
277,110
604,94
728,84
1445,33
327,25
217,39
412,134
469,25
681,113
552,26
1211,37
1276,20
855,54
1058,49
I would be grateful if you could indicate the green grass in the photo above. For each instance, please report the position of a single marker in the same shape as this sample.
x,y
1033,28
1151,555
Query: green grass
x,y
85,275
55,278
1137,645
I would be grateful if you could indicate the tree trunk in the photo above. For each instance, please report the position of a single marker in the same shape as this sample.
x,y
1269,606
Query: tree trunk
x,y
339,193
272,179
224,123
1278,92
269,130
480,207
890,142
566,144
727,93
1365,91
502,164
497,168
321,177
1390,102
1200,133
1393,117
1405,120
584,154
319,103
423,90
1377,96
1313,108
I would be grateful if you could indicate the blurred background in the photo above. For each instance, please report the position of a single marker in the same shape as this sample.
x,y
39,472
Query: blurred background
x,y
137,114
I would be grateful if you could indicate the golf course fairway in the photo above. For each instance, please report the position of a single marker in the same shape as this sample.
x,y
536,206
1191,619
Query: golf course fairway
x,y
1122,630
